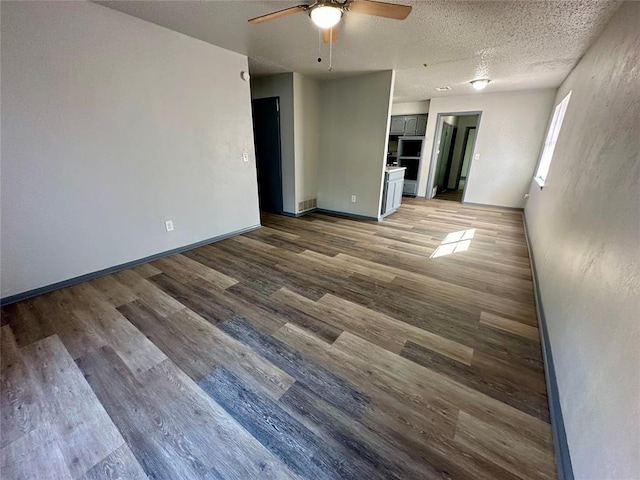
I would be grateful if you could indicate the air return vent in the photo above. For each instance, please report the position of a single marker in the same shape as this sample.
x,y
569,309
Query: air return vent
x,y
307,205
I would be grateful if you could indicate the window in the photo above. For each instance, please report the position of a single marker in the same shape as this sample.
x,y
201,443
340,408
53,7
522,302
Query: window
x,y
550,142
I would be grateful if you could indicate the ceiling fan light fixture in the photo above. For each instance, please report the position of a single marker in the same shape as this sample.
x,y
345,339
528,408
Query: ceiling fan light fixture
x,y
325,16
480,84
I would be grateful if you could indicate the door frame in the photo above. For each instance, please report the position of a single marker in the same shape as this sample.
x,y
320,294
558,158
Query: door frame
x,y
434,156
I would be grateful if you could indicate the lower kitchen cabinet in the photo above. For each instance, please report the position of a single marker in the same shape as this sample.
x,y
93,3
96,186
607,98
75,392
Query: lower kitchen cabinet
x,y
393,188
410,187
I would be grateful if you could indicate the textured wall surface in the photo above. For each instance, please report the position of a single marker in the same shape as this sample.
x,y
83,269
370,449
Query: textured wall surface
x,y
110,126
354,122
306,103
509,136
585,229
281,86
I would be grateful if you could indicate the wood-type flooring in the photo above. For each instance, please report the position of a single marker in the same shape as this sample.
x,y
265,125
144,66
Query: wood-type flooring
x,y
451,195
319,347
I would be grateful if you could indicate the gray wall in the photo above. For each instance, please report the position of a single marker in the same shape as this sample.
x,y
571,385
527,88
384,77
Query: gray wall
x,y
354,119
509,137
282,86
306,103
585,229
110,126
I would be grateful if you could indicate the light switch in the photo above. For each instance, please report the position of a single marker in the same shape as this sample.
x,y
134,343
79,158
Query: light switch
x,y
476,156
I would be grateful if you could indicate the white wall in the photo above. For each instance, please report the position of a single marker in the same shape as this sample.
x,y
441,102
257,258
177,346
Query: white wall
x,y
354,119
585,229
110,126
306,104
450,119
509,137
281,85
410,108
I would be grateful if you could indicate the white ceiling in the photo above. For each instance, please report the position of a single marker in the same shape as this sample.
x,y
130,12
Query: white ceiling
x,y
517,44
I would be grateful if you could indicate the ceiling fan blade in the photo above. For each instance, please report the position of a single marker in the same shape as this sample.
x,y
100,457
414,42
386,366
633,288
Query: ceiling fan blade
x,y
380,9
329,35
278,14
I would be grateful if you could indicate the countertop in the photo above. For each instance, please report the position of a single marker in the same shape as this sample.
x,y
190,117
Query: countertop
x,y
390,168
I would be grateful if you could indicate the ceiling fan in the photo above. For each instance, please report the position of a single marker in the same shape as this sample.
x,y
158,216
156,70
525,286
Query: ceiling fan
x,y
327,13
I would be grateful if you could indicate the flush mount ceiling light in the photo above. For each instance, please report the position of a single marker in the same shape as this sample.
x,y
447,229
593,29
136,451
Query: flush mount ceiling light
x,y
443,89
325,16
480,84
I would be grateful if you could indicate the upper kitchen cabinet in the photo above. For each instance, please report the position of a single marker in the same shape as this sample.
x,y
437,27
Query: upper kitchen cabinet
x,y
408,125
421,129
397,126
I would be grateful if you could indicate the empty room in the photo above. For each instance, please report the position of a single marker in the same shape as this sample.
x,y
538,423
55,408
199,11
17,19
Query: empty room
x,y
332,239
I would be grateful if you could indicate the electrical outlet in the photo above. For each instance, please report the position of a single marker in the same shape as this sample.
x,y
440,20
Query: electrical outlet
x,y
169,225
245,157
353,199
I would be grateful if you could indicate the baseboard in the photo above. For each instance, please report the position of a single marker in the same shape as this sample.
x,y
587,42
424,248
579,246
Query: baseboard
x,y
100,273
513,209
349,215
299,214
560,444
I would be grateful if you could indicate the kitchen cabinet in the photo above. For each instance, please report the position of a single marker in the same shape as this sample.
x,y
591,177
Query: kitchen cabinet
x,y
411,125
421,129
393,188
410,187
397,126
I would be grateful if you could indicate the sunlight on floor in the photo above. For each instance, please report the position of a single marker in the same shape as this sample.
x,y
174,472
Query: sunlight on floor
x,y
454,242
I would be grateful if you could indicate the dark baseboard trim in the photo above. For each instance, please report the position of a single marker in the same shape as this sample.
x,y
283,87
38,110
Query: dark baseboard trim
x,y
300,214
560,444
513,209
123,266
349,215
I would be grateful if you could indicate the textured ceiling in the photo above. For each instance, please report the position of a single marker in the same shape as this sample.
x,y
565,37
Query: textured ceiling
x,y
517,44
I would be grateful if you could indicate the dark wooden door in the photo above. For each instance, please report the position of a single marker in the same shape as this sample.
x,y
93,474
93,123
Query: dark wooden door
x,y
266,134
444,156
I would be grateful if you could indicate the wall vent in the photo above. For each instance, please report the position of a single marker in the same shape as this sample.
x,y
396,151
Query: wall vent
x,y
307,205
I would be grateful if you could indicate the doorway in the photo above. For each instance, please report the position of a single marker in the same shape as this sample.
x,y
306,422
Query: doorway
x,y
266,134
445,154
469,142
453,151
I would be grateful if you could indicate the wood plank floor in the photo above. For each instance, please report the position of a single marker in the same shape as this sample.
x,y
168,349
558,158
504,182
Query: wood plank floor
x,y
319,347
451,195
